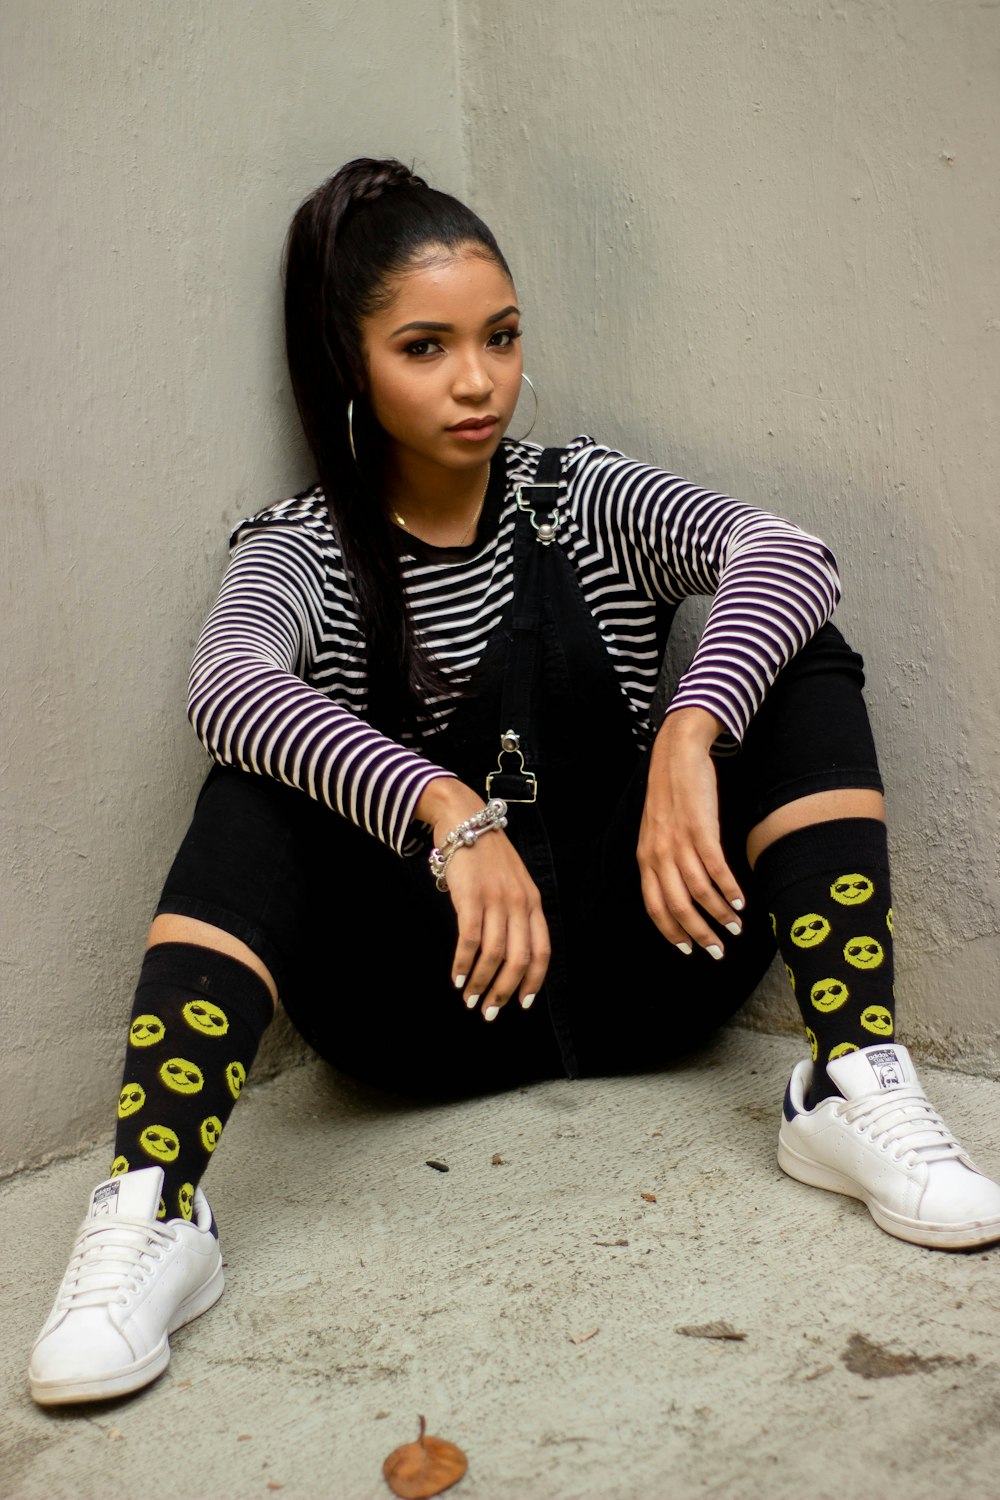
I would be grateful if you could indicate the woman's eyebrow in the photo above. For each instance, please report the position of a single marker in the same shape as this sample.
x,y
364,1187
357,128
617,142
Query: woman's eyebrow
x,y
450,327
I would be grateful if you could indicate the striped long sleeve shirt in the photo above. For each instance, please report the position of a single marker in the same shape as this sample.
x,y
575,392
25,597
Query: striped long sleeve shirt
x,y
278,683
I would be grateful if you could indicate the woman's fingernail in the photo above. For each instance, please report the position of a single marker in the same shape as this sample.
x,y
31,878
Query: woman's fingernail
x,y
491,1012
685,948
737,905
527,1001
471,1000
460,981
734,928
714,950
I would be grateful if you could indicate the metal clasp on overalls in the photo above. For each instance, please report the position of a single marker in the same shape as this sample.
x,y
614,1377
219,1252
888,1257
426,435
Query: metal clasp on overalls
x,y
545,522
510,744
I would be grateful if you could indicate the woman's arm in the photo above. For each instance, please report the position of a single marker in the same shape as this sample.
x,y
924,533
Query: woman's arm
x,y
774,586
251,709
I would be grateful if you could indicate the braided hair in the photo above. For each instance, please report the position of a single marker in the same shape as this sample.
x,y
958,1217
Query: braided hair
x,y
347,241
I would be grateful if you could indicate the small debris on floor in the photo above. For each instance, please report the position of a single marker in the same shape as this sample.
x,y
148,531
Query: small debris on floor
x,y
648,1197
496,1160
717,1330
439,1166
611,1244
581,1338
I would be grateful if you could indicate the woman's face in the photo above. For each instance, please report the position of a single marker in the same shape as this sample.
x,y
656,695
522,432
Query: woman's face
x,y
443,361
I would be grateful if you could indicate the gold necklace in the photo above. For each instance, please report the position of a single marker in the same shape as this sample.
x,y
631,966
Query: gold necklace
x,y
465,534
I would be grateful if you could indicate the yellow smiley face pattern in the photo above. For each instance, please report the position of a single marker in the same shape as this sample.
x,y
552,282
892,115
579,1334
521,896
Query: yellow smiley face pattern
x,y
836,931
181,1081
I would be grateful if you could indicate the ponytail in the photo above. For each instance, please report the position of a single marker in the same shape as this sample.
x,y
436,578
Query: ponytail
x,y
347,241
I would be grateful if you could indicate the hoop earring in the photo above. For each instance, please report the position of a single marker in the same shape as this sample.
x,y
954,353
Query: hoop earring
x,y
534,418
350,430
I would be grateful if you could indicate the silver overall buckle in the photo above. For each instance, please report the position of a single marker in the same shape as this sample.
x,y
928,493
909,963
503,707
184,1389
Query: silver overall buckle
x,y
547,523
510,744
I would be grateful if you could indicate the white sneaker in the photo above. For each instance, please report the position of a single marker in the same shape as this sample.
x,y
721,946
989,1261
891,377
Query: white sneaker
x,y
130,1282
884,1143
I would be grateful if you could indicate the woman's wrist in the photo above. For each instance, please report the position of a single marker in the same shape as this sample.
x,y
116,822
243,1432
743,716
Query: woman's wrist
x,y
444,803
697,726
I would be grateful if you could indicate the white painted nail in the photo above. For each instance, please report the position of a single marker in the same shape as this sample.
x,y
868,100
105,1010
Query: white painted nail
x,y
460,981
734,928
737,905
491,1012
685,948
527,1001
471,1000
714,950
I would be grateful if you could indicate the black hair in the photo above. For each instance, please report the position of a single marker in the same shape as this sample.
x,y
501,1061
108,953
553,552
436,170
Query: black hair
x,y
360,228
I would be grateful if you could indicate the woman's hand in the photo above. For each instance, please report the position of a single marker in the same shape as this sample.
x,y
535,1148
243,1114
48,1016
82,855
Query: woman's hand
x,y
680,854
503,937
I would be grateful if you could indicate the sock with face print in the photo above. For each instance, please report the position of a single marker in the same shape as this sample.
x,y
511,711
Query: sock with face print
x,y
827,890
197,1020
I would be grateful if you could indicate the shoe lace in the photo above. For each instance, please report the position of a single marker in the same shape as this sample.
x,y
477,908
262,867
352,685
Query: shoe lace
x,y
903,1123
111,1260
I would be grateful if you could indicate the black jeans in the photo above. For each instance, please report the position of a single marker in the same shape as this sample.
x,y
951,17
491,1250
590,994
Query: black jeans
x,y
360,942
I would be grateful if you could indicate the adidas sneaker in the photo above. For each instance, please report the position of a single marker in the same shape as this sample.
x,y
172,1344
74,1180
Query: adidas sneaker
x,y
883,1142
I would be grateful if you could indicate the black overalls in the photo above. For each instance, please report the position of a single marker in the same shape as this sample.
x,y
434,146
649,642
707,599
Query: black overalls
x,y
361,943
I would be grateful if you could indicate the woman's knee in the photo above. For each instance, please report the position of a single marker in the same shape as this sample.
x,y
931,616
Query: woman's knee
x,y
169,927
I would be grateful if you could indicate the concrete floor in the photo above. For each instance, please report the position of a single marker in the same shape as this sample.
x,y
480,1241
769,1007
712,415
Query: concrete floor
x,y
364,1287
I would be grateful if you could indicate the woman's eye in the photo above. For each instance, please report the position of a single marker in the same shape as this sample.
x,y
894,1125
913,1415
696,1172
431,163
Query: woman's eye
x,y
504,337
422,346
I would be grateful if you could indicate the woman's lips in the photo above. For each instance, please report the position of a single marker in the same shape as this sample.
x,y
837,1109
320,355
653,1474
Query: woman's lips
x,y
475,430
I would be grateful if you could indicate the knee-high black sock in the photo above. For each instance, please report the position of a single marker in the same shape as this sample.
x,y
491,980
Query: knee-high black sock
x,y
827,889
197,1020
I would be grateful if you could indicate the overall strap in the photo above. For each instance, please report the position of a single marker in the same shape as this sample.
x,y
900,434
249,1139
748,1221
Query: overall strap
x,y
538,502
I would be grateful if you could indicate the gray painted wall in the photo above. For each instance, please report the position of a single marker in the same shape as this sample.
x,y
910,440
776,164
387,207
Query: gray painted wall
x,y
756,243
154,157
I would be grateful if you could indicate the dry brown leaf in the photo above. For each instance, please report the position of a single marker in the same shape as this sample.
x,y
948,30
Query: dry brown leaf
x,y
581,1338
648,1197
415,1471
717,1330
498,1161
655,1132
272,1484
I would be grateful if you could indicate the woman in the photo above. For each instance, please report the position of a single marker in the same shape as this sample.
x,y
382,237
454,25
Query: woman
x,y
444,605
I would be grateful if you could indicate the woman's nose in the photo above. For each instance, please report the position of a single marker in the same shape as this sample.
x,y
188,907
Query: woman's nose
x,y
472,379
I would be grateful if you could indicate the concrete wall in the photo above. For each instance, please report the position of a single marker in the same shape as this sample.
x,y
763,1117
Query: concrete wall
x,y
153,157
757,243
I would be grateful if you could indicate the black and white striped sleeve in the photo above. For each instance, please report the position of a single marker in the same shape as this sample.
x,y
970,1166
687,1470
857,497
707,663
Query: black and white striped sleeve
x,y
251,708
773,584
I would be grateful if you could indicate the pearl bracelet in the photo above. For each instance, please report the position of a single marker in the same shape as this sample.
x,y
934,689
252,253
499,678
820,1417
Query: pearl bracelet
x,y
492,818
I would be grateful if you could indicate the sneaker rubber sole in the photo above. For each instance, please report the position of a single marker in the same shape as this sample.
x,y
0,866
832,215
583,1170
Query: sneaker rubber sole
x,y
967,1236
134,1376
